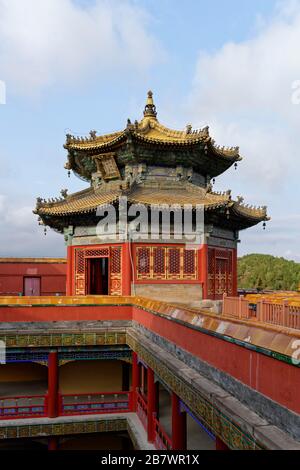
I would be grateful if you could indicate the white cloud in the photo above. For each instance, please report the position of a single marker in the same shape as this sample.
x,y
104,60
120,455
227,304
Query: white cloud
x,y
2,202
244,91
21,235
53,41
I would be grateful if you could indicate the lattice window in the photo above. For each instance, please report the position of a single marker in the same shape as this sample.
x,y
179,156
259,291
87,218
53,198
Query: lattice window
x,y
189,260
79,261
173,263
96,253
143,262
211,272
115,271
230,274
79,272
159,262
115,267
166,263
220,275
220,272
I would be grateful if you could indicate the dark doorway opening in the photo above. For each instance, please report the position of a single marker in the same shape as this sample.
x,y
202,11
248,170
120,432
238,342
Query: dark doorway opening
x,y
97,276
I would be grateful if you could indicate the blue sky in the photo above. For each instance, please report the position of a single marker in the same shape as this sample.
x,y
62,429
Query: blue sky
x,y
87,64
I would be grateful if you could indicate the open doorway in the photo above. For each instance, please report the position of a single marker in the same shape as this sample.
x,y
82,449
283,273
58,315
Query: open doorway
x,y
97,276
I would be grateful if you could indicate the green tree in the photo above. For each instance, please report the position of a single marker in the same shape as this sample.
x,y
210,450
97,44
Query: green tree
x,y
257,271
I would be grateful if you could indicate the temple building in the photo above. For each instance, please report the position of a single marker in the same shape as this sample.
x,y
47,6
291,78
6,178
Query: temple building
x,y
141,353
150,166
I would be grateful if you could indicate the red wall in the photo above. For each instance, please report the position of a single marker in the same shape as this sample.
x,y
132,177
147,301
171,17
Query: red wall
x,y
273,378
52,275
64,313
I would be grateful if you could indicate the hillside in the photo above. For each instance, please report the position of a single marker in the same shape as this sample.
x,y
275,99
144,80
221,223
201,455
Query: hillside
x,y
268,272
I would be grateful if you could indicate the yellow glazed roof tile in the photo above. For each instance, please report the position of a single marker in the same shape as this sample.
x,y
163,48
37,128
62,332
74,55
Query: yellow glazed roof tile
x,y
151,130
90,200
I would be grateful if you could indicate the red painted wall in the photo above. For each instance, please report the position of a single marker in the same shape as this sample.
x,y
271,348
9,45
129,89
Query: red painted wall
x,y
51,274
64,313
275,379
271,377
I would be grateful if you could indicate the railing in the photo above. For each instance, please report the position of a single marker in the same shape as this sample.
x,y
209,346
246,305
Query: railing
x,y
34,406
69,404
161,440
294,317
141,409
23,407
88,403
281,314
237,307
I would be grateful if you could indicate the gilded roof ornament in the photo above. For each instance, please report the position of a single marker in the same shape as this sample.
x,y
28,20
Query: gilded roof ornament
x,y
64,193
68,138
150,108
188,129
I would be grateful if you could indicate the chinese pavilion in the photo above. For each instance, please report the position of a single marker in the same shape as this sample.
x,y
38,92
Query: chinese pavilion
x,y
151,166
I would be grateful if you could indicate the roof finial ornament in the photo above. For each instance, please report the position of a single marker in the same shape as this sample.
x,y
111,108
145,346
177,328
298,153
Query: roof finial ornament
x,y
150,108
188,129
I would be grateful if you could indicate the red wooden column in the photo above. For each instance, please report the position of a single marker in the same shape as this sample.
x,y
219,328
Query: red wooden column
x,y
52,384
53,443
179,435
69,282
151,403
135,380
126,268
142,376
220,445
203,252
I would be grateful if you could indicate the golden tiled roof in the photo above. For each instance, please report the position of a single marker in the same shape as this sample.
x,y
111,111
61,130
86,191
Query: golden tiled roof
x,y
88,201
180,193
250,211
33,260
78,203
153,193
149,130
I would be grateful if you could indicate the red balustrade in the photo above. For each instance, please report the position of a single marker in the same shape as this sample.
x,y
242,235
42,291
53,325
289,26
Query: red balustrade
x,y
94,403
34,406
141,409
294,317
237,307
161,440
23,407
69,404
281,314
